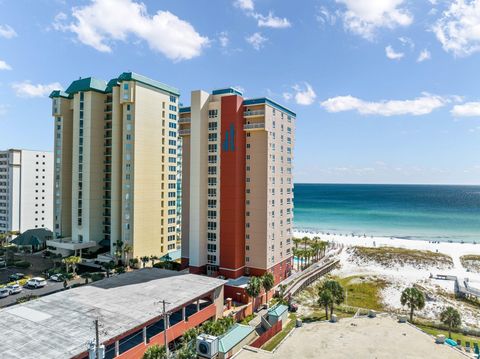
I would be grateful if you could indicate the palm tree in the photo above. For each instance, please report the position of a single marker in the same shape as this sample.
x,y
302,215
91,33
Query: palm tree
x,y
268,281
144,260
413,299
296,241
451,317
325,299
296,254
108,267
153,259
281,294
127,249
253,289
118,249
155,352
337,292
71,261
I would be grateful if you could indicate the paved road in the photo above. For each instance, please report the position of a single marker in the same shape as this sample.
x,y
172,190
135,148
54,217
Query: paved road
x,y
51,287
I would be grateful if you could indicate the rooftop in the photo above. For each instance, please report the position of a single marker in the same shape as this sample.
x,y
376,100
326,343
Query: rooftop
x,y
380,337
228,90
94,84
270,102
60,325
234,336
277,310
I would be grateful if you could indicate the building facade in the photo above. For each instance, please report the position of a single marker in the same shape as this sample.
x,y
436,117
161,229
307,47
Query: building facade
x,y
237,187
26,190
116,165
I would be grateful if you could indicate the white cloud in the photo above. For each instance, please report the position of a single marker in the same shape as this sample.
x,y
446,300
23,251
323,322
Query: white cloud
x,y
469,109
324,16
458,29
4,65
392,55
244,4
27,89
424,55
364,17
287,96
304,95
420,106
406,41
103,22
7,32
224,39
272,21
256,40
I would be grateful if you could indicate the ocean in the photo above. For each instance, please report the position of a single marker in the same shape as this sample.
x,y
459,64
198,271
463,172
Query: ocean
x,y
424,212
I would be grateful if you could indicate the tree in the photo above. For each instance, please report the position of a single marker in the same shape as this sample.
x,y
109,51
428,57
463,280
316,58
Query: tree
x,y
296,255
413,299
254,288
268,281
118,249
133,262
127,249
155,352
153,259
144,260
71,261
325,299
451,317
296,241
337,291
108,267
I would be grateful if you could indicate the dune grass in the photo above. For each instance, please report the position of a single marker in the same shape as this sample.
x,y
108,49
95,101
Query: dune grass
x,y
363,291
455,335
389,256
471,262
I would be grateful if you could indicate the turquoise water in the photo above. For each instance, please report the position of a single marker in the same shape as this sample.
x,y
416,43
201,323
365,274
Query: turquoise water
x,y
426,212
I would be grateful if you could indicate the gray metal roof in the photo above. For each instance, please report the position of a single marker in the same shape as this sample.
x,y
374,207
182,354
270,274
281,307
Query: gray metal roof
x,y
60,325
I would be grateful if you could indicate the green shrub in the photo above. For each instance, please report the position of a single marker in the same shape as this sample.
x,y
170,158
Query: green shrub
x,y
97,276
22,264
26,298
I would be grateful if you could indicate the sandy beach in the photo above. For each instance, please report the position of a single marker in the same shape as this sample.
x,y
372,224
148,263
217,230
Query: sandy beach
x,y
401,276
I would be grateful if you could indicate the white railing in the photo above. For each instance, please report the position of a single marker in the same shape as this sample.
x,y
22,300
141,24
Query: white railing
x,y
254,113
184,120
251,126
184,132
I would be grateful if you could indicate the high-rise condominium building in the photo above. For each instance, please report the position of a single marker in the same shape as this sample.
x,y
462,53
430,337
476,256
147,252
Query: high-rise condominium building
x,y
237,190
115,165
26,190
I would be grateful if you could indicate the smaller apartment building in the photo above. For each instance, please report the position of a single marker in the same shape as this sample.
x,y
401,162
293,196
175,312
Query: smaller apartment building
x,y
26,190
237,189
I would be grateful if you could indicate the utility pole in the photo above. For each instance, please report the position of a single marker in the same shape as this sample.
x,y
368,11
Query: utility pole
x,y
165,318
97,340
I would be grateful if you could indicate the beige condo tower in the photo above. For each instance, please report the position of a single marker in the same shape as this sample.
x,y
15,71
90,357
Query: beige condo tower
x,y
115,166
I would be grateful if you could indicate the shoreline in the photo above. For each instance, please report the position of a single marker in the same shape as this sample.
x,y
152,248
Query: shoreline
x,y
453,249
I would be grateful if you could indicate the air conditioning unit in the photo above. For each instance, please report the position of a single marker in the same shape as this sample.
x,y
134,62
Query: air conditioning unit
x,y
207,346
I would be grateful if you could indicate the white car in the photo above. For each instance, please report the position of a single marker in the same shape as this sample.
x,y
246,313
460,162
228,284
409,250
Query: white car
x,y
14,288
4,292
37,282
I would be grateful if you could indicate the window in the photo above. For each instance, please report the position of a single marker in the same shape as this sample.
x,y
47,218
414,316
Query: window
x,y
212,181
125,86
212,137
212,126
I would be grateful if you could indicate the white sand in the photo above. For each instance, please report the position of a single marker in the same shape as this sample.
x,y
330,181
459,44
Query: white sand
x,y
401,277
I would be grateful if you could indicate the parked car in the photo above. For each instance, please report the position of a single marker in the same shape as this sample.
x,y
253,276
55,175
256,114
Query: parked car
x,y
57,278
37,282
16,276
14,288
4,292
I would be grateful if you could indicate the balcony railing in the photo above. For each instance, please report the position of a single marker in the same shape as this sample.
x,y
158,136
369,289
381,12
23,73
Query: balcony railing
x,y
184,120
185,132
254,113
254,126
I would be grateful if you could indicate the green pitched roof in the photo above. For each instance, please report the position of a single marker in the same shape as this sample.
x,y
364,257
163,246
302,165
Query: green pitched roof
x,y
234,336
278,310
93,84
132,76
33,237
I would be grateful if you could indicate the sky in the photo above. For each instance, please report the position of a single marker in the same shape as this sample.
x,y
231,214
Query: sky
x,y
385,91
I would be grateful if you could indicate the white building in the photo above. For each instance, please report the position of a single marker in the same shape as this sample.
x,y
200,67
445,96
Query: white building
x,y
26,190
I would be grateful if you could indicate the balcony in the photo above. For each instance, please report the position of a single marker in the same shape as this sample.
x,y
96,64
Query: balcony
x,y
184,120
255,113
185,132
254,126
